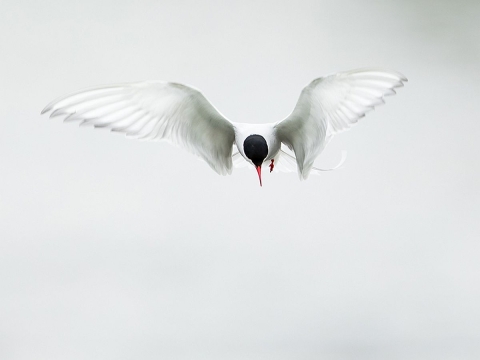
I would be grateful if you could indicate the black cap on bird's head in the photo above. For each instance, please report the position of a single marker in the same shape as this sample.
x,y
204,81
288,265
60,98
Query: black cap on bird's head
x,y
256,149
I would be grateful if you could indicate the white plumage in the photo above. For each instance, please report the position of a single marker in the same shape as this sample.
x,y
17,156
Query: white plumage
x,y
156,110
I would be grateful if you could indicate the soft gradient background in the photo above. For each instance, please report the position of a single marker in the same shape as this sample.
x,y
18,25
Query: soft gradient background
x,y
118,249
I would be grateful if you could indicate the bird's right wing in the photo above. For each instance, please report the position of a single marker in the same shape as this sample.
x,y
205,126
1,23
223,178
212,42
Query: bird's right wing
x,y
332,104
155,110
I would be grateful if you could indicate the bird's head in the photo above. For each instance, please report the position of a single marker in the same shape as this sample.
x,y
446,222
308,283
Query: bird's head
x,y
256,150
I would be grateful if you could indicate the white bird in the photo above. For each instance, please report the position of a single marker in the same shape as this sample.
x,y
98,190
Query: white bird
x,y
157,110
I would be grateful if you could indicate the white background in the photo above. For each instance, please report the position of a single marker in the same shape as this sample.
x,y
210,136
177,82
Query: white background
x,y
120,249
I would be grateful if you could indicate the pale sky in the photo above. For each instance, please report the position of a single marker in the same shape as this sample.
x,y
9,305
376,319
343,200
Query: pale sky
x,y
118,249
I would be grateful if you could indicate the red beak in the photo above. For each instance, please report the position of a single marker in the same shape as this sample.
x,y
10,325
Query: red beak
x,y
259,171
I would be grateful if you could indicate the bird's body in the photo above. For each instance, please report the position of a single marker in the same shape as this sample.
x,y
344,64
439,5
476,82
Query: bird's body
x,y
181,114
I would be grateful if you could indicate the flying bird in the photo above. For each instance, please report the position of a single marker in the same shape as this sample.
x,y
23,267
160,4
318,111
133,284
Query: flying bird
x,y
157,110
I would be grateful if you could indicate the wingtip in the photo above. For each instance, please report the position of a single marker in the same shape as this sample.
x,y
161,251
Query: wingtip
x,y
385,71
400,75
45,109
49,106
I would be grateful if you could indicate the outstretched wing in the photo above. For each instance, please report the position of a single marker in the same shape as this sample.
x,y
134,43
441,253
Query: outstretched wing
x,y
155,110
332,104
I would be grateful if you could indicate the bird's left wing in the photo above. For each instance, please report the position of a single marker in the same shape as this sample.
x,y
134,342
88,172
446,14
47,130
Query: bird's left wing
x,y
155,110
332,104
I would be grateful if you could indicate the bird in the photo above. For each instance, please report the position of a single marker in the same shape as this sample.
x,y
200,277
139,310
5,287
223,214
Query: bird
x,y
181,114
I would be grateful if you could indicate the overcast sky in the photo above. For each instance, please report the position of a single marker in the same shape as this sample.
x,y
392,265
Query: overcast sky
x,y
119,249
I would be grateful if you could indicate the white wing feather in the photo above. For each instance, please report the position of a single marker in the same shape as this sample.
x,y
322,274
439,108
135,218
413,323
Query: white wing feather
x,y
329,105
155,110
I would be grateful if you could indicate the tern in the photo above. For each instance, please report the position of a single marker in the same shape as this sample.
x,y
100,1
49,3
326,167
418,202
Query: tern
x,y
157,110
